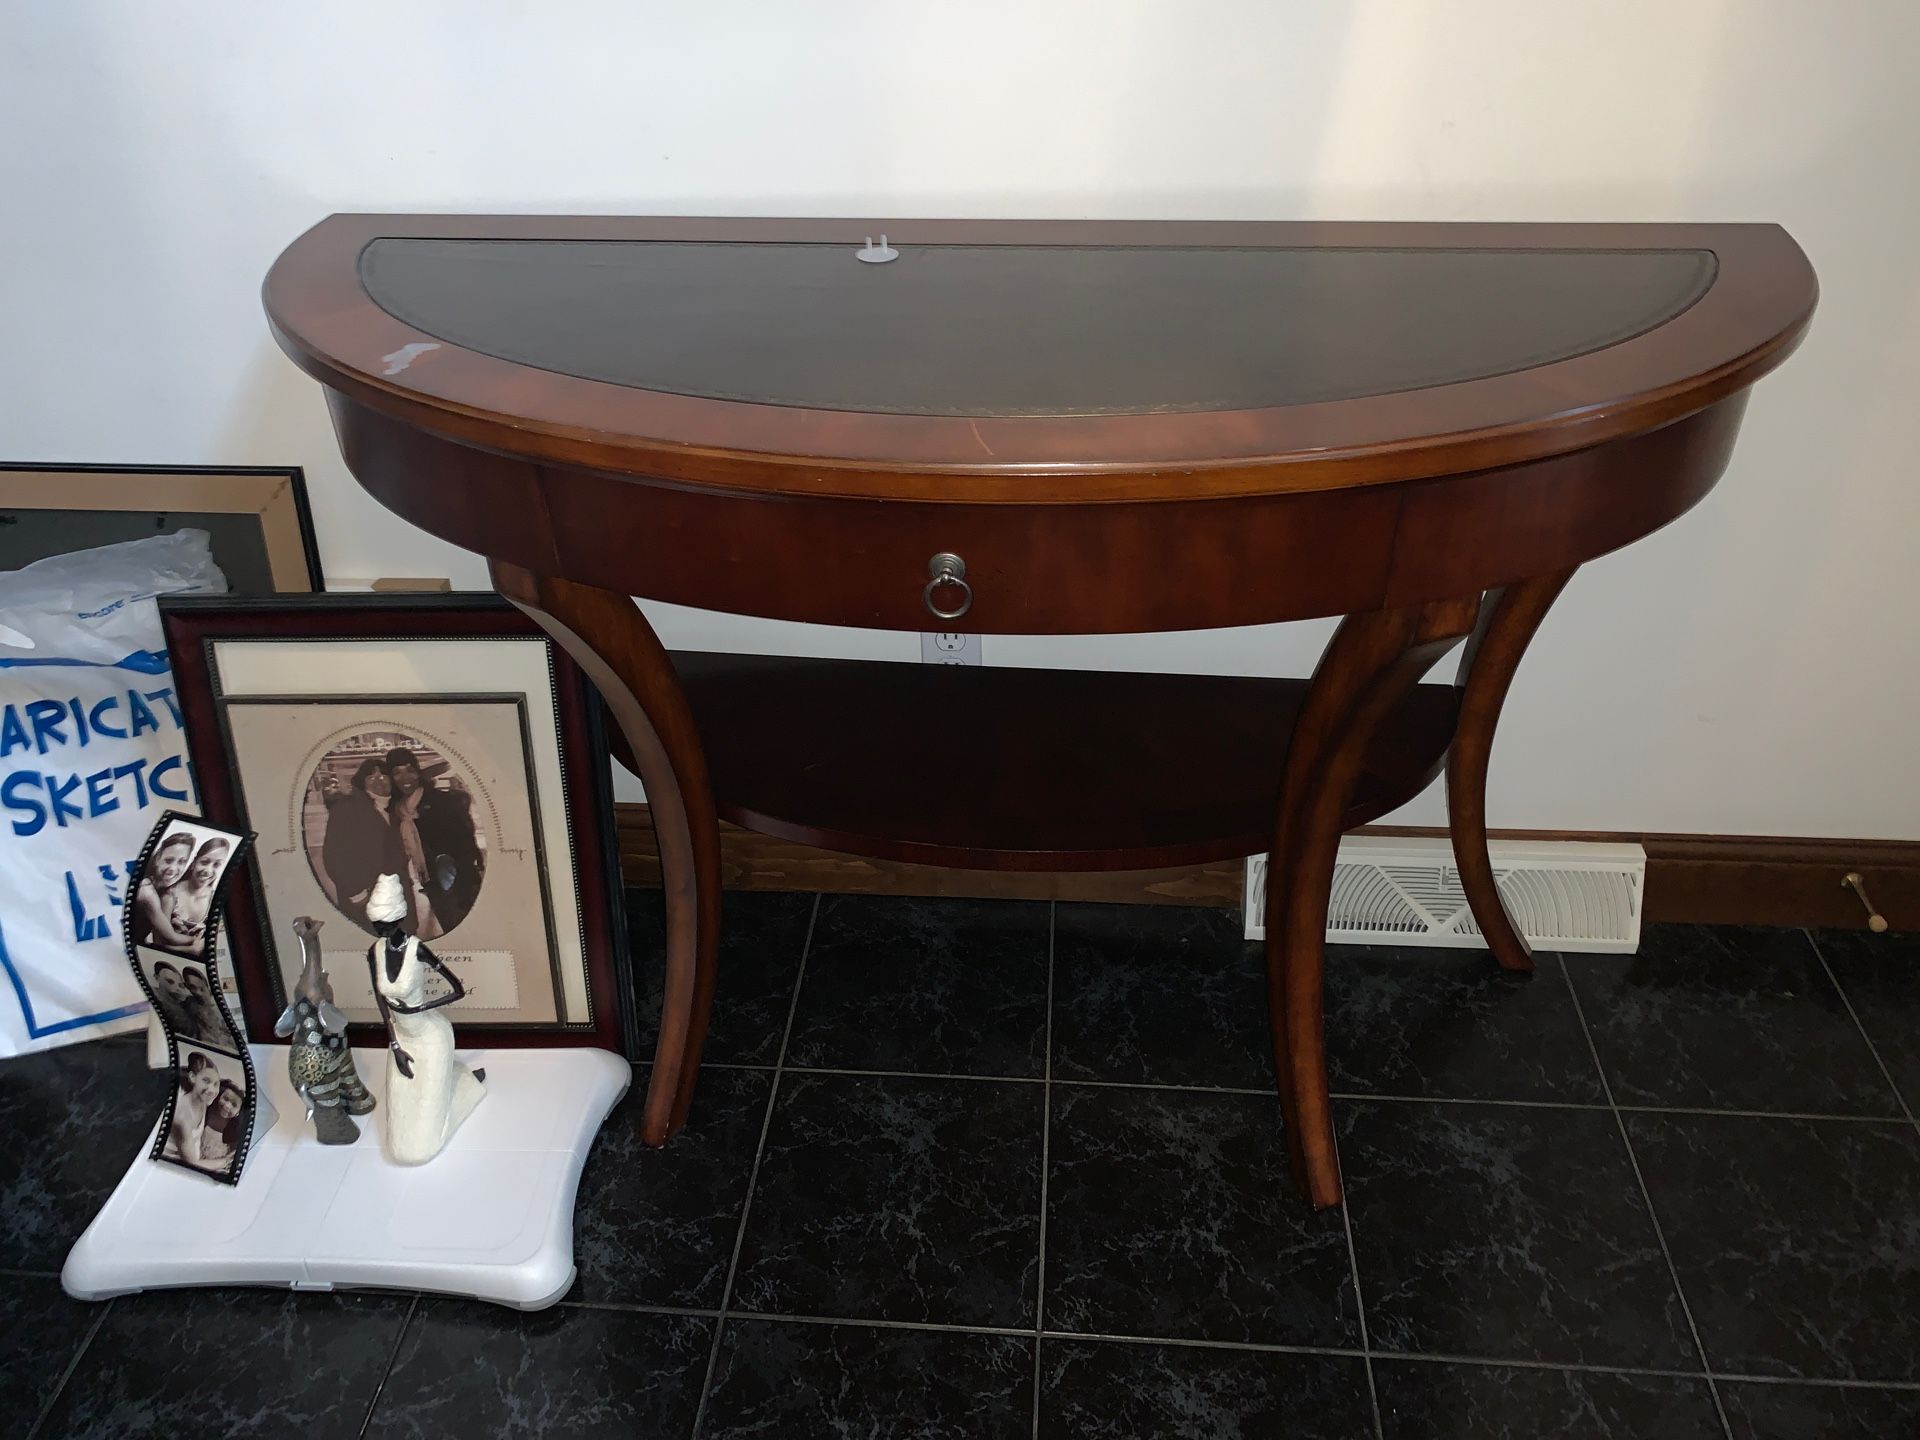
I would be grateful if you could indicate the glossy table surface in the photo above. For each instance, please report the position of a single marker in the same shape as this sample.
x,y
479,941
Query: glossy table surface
x,y
1043,427
1036,361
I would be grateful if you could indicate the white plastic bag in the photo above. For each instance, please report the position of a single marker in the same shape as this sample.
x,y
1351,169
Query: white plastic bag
x,y
91,751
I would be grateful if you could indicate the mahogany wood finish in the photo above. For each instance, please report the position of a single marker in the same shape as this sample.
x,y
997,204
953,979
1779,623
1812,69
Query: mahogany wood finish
x,y
1508,619
1780,880
1314,452
888,760
1046,568
752,861
1749,320
1373,660
611,641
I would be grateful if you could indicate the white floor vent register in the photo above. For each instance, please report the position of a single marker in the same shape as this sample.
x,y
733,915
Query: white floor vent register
x,y
1390,890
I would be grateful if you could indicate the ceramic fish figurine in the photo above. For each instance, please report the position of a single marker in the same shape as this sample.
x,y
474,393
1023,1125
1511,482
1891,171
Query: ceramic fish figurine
x,y
319,1062
429,1092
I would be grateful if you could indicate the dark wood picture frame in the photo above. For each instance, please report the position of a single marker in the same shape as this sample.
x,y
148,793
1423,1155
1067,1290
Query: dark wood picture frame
x,y
193,625
275,496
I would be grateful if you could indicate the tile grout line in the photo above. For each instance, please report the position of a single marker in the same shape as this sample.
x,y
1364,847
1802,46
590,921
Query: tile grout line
x,y
1348,1352
781,1317
1707,1113
1046,1135
753,1174
1831,1382
1443,1357
1463,1100
393,1358
66,1375
1872,1049
1731,1376
1262,1091
1099,1337
1359,1300
1701,1110
635,1307
1653,1215
894,1074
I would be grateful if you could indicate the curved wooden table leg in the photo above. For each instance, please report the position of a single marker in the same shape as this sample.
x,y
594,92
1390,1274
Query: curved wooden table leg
x,y
1368,666
1508,621
606,633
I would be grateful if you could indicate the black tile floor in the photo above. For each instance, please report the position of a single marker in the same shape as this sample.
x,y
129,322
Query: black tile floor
x,y
967,1169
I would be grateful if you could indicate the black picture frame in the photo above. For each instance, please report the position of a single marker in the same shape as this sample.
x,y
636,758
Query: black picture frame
x,y
195,624
258,515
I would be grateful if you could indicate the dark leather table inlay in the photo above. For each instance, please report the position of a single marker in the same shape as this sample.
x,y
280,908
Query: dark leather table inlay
x,y
1043,427
1025,329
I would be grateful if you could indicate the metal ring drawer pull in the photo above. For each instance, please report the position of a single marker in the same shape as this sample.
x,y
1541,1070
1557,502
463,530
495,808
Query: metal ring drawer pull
x,y
947,569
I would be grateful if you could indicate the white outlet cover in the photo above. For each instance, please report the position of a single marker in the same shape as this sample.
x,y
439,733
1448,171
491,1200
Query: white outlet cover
x,y
949,647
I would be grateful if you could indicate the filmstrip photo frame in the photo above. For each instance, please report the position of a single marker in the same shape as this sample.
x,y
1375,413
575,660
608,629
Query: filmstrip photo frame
x,y
171,925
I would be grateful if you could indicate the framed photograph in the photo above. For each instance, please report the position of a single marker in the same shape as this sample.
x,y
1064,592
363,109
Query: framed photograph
x,y
261,529
441,739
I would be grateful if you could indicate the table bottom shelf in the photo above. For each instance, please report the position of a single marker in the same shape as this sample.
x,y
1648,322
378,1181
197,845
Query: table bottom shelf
x,y
1022,769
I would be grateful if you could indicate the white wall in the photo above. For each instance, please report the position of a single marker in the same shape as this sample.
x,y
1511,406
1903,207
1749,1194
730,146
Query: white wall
x,y
1752,669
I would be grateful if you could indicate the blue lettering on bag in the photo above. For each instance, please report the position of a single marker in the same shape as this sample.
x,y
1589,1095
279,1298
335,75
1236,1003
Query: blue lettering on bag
x,y
41,725
100,727
13,735
47,717
57,792
172,762
14,797
36,798
101,800
137,769
85,927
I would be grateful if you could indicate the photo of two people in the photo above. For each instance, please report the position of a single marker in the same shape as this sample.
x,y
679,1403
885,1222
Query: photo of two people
x,y
174,894
208,1128
183,997
442,793
389,803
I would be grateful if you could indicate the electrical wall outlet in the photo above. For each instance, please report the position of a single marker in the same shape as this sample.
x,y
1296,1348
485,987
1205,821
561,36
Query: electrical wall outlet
x,y
949,648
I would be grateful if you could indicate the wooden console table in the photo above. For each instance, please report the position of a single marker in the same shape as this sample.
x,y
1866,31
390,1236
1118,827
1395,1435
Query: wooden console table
x,y
1042,428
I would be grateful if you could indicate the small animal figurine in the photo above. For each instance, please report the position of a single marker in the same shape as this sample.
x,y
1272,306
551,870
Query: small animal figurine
x,y
319,1062
429,1093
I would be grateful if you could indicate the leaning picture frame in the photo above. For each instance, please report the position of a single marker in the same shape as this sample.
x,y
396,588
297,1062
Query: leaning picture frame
x,y
443,738
256,517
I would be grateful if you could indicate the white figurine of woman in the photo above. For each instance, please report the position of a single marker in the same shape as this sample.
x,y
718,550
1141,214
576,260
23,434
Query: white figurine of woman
x,y
429,1093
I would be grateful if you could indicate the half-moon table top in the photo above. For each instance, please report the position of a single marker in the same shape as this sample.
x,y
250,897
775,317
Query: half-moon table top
x,y
1034,362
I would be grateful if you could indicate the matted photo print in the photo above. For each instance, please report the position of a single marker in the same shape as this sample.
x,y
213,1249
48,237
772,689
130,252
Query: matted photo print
x,y
437,792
